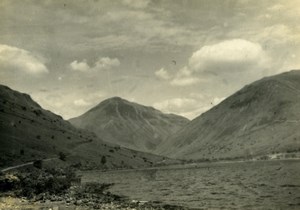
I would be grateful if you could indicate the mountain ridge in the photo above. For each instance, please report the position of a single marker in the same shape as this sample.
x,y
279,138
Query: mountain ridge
x,y
28,133
260,118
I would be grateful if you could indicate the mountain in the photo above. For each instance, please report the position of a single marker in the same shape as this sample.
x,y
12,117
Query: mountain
x,y
262,118
28,133
129,124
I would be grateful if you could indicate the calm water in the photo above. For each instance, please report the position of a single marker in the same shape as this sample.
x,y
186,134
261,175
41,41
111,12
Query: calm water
x,y
248,185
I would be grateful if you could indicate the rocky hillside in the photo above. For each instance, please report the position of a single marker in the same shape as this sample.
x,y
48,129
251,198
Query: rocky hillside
x,y
262,118
28,132
129,124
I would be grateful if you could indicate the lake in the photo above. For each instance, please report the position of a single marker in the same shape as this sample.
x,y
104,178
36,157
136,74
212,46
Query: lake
x,y
234,185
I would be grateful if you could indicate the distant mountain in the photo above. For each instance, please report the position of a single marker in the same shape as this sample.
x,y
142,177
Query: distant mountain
x,y
28,132
262,118
129,124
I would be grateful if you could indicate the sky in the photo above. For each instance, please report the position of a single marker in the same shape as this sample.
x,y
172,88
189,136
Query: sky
x,y
179,56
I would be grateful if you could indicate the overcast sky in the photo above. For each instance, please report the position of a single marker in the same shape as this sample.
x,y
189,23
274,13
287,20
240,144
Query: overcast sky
x,y
180,56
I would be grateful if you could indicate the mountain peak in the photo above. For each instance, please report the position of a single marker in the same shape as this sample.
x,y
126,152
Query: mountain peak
x,y
129,124
112,100
116,98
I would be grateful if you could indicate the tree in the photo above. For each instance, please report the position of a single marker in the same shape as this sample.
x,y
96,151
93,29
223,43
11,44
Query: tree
x,y
103,160
62,156
22,152
38,164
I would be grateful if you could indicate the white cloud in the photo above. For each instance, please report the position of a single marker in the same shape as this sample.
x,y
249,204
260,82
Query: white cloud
x,y
190,107
80,66
236,53
187,107
184,81
21,60
184,77
71,102
106,63
224,59
175,104
162,74
103,63
81,102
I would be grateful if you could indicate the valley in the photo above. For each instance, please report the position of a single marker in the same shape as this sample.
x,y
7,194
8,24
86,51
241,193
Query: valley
x,y
138,157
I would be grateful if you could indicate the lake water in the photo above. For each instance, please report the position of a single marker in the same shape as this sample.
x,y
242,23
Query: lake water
x,y
235,185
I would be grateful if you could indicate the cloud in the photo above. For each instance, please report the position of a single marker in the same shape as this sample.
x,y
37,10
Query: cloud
x,y
277,36
175,105
107,63
81,102
184,81
162,74
80,66
190,107
187,107
71,102
14,58
223,59
103,63
236,54
184,77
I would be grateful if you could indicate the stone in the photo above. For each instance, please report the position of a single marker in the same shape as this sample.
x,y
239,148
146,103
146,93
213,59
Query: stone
x,y
78,202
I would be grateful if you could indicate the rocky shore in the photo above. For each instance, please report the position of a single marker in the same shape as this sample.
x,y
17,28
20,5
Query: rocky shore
x,y
80,202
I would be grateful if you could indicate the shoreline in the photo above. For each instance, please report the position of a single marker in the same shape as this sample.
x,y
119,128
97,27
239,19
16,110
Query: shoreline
x,y
186,165
11,202
89,195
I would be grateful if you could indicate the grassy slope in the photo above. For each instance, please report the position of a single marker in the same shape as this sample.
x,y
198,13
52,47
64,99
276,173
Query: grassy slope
x,y
262,118
28,132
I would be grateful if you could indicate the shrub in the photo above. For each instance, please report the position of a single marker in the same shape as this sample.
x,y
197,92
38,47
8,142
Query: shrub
x,y
290,156
37,112
8,182
52,181
38,164
103,160
265,157
62,156
76,165
22,152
